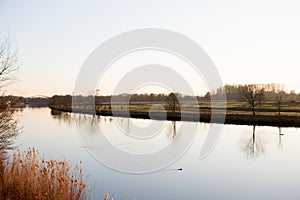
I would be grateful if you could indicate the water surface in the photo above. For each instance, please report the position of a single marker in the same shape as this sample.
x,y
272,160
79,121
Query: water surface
x,y
265,165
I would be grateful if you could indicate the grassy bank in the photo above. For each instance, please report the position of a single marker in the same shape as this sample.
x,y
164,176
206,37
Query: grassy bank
x,y
235,113
240,108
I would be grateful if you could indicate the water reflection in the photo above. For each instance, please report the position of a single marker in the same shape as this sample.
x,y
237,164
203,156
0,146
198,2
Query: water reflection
x,y
128,125
93,121
253,147
62,116
280,134
276,176
173,132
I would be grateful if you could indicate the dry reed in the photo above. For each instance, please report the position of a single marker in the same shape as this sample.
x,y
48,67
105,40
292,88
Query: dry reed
x,y
26,176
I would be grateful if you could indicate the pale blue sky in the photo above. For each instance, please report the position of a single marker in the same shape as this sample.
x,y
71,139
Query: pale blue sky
x,y
249,41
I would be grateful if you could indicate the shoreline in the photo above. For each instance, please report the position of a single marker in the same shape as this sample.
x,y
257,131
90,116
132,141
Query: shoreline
x,y
236,119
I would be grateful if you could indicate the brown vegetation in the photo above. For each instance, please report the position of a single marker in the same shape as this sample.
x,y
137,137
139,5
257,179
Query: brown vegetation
x,y
26,176
8,126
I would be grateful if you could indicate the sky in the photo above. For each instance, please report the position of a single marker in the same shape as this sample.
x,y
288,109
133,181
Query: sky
x,y
249,41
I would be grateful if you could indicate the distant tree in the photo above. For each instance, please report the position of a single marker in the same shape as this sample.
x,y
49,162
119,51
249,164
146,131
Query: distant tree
x,y
280,96
172,102
152,97
207,96
292,95
64,101
253,94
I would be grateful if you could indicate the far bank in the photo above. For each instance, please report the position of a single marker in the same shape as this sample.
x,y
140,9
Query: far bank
x,y
205,116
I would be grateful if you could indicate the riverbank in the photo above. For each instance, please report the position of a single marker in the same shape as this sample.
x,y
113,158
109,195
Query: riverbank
x,y
238,119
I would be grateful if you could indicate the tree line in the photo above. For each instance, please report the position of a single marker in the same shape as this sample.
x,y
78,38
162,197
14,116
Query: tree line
x,y
271,92
256,94
232,92
252,94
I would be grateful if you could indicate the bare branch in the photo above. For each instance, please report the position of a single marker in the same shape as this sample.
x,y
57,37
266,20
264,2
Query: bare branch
x,y
8,63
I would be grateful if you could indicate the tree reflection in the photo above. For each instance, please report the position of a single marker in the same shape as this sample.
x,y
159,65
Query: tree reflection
x,y
62,116
173,130
128,125
90,120
94,123
253,146
280,134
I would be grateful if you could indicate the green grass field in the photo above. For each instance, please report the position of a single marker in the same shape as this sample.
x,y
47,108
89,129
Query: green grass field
x,y
240,108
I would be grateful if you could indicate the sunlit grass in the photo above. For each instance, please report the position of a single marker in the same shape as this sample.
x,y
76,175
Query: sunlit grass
x,y
205,107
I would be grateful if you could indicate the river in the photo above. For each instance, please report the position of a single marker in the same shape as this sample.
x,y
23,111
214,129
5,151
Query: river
x,y
239,167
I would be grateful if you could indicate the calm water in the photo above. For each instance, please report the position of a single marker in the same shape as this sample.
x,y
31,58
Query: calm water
x,y
239,167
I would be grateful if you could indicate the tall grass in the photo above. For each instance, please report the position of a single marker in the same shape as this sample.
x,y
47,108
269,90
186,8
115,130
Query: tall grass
x,y
27,176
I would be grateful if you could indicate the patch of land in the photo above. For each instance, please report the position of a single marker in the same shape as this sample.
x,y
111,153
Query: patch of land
x,y
234,113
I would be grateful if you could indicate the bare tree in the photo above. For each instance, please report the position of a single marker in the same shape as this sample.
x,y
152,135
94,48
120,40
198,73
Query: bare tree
x,y
253,94
172,101
8,65
280,95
